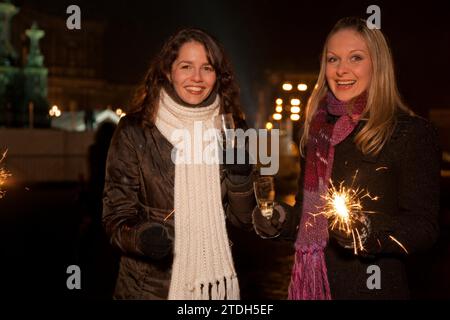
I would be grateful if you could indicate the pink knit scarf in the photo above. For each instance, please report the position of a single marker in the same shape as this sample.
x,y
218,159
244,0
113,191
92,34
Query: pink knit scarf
x,y
309,279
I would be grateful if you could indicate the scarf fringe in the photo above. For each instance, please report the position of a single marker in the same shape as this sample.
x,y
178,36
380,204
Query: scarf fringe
x,y
225,289
309,280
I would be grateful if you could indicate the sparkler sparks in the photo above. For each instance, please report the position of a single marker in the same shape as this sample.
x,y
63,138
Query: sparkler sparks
x,y
168,216
4,174
399,243
343,208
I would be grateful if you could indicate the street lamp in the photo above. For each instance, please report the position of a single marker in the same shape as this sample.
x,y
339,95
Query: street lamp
x,y
277,116
295,102
287,86
54,111
120,112
295,109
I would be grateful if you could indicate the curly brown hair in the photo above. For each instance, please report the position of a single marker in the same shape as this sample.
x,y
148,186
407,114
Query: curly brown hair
x,y
145,101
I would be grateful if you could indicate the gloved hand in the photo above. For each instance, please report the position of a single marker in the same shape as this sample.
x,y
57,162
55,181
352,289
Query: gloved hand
x,y
154,241
241,161
349,240
269,228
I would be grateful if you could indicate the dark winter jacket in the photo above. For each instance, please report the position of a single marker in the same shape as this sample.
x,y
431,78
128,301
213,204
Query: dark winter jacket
x,y
139,190
405,176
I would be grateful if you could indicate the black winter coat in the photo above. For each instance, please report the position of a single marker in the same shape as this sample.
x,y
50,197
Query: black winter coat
x,y
405,176
139,189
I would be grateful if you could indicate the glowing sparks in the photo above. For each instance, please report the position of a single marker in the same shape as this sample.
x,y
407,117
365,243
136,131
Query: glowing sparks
x,y
343,208
169,215
3,156
340,205
399,243
4,174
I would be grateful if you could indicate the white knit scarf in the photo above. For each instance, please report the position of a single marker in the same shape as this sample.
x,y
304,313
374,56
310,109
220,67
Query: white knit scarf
x,y
203,265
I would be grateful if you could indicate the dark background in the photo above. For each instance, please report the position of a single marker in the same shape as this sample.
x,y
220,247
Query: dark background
x,y
274,35
42,228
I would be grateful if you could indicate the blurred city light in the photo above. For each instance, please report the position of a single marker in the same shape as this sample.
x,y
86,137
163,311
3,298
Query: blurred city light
x,y
287,86
269,125
302,87
279,109
277,116
279,102
295,109
295,117
295,102
54,111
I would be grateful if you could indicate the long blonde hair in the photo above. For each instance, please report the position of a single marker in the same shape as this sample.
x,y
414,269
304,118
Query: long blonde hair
x,y
383,97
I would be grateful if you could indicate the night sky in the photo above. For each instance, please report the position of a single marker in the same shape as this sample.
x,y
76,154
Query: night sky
x,y
278,35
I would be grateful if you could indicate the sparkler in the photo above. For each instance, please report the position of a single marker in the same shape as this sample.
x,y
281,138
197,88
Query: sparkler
x,y
4,174
343,209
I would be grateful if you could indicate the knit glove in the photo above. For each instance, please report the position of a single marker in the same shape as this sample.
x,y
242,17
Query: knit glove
x,y
238,166
362,237
154,241
269,228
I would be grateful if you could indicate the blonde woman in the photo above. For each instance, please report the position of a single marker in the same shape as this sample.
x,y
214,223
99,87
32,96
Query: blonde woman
x,y
359,134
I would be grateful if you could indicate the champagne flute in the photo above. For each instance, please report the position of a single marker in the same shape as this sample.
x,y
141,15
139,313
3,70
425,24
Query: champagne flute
x,y
224,123
264,188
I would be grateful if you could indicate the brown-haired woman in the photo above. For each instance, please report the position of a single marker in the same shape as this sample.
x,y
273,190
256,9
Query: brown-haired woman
x,y
168,217
358,134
